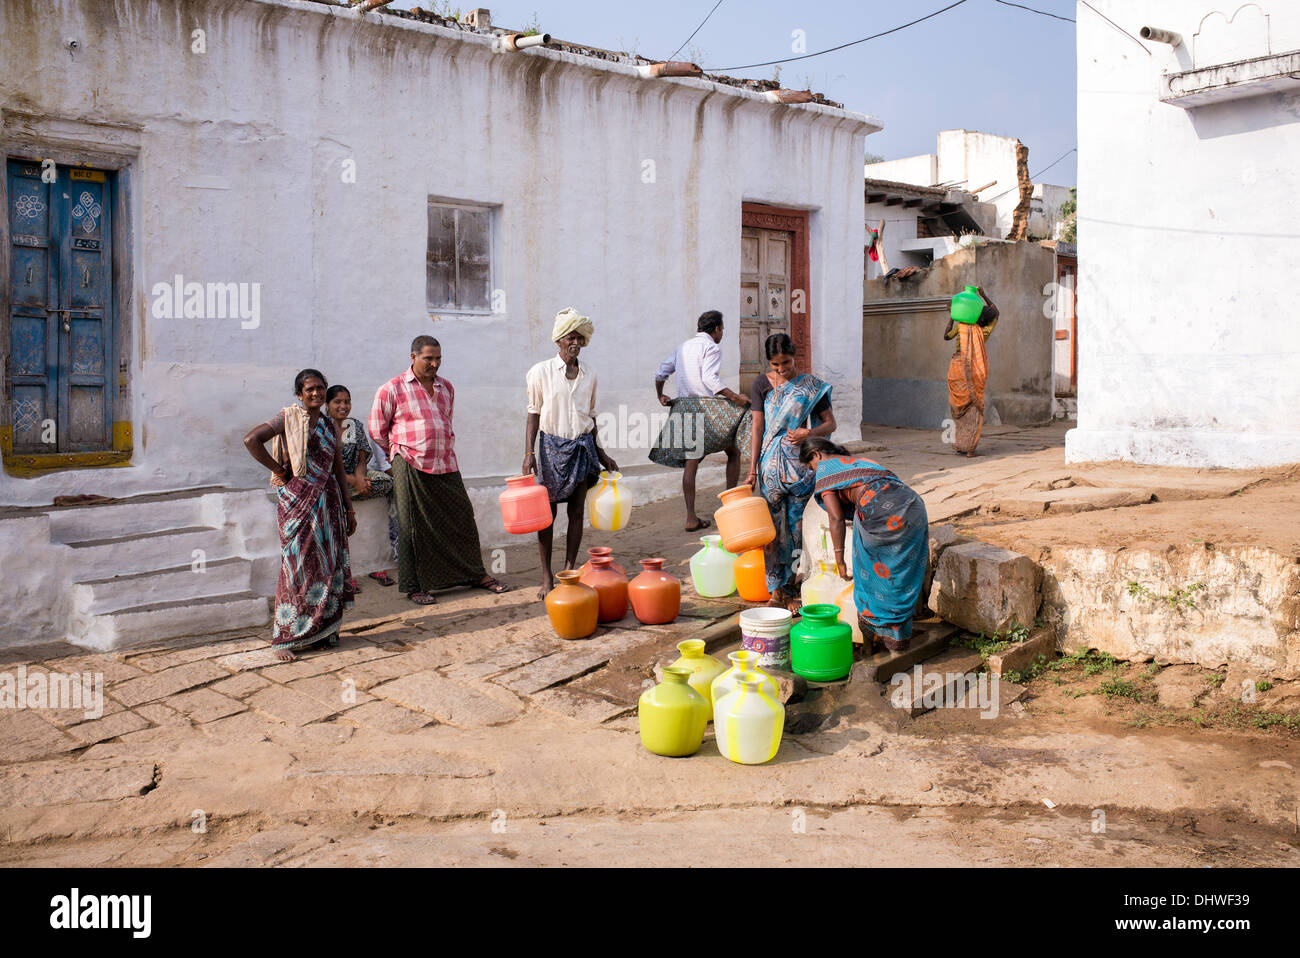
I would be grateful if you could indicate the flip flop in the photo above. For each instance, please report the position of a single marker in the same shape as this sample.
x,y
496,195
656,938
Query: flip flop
x,y
492,585
422,598
704,524
383,578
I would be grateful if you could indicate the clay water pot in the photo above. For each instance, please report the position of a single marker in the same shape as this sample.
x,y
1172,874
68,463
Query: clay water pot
x,y
610,586
751,576
656,595
572,607
525,506
743,521
595,551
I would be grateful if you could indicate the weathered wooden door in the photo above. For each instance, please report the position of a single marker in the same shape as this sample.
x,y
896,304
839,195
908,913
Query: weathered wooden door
x,y
61,319
764,295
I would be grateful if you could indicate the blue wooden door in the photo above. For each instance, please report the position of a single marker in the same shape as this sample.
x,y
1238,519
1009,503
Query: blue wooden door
x,y
61,317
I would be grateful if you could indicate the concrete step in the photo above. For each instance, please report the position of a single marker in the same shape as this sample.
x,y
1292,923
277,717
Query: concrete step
x,y
942,681
160,621
116,520
221,577
146,552
929,638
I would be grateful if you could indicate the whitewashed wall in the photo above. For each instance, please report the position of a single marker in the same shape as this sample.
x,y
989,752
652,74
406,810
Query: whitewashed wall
x,y
239,179
1188,244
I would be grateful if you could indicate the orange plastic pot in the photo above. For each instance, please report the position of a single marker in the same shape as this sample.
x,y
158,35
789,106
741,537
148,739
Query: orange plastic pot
x,y
572,607
751,576
656,595
743,521
525,506
596,551
610,586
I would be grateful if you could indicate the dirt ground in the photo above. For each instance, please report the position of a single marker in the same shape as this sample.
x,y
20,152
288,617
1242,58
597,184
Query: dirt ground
x,y
466,733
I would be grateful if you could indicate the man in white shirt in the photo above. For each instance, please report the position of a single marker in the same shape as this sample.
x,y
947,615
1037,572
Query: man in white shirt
x,y
562,410
705,416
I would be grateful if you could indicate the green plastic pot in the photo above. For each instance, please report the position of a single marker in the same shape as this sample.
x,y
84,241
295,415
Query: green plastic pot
x,y
966,306
821,646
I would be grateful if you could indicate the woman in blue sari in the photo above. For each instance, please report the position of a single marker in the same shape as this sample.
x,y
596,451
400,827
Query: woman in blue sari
x,y
891,535
788,407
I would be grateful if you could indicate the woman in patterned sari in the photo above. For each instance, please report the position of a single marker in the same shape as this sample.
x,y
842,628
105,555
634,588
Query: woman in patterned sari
x,y
359,456
314,511
788,408
891,536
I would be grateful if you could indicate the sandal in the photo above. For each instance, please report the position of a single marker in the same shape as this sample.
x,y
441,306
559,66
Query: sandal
x,y
700,524
492,585
383,578
422,598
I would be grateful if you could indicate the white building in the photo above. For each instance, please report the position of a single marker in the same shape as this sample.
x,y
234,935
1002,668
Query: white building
x,y
357,179
1189,199
994,169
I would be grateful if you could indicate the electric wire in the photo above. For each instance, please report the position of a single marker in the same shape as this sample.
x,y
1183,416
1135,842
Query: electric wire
x,y
874,36
1116,26
695,31
1007,3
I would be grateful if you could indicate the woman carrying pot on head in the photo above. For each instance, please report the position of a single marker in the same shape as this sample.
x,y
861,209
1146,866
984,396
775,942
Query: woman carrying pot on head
x,y
315,515
368,471
968,372
891,537
788,407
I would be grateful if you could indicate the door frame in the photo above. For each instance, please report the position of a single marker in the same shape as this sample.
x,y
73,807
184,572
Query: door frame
x,y
762,216
114,150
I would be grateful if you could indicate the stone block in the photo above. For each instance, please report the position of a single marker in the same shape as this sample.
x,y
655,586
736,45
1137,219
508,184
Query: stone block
x,y
449,701
204,705
28,787
160,685
386,717
331,689
580,706
1020,656
939,682
101,730
928,640
984,588
290,707
24,735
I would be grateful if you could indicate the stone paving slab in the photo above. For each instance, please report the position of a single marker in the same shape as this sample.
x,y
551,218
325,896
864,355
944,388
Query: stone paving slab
x,y
66,718
47,784
386,717
161,714
204,705
332,690
555,668
113,669
158,661
424,764
244,728
580,706
241,685
101,730
291,707
449,701
508,657
150,688
372,673
244,661
24,736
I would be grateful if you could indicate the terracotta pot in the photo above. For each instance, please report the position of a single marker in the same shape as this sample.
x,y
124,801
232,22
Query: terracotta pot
x,y
572,607
595,551
656,595
610,586
744,521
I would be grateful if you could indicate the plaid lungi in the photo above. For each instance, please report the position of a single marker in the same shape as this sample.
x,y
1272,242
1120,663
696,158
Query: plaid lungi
x,y
698,426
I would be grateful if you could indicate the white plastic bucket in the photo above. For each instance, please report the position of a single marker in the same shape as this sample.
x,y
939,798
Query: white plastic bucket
x,y
767,632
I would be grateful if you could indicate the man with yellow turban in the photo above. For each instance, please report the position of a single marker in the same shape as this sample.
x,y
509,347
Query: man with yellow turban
x,y
562,409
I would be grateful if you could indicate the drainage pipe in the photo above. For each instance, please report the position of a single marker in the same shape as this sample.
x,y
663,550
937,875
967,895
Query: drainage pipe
x,y
1160,36
671,68
517,41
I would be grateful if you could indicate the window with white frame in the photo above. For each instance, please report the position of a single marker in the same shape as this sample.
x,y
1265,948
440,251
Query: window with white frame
x,y
459,264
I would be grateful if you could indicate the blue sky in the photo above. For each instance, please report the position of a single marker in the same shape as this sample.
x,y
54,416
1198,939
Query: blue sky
x,y
982,66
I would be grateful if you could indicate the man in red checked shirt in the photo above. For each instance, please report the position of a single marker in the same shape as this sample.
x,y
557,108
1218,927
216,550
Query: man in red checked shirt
x,y
437,543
